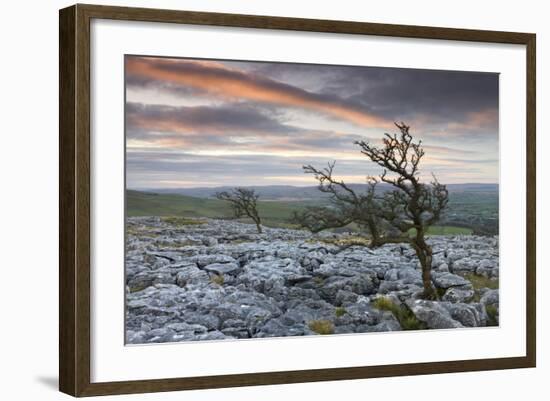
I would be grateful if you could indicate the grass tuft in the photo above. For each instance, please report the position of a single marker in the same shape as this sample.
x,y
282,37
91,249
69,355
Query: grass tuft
x,y
318,280
140,231
384,303
479,281
340,311
181,221
444,230
321,326
492,314
410,322
440,292
406,318
345,241
217,279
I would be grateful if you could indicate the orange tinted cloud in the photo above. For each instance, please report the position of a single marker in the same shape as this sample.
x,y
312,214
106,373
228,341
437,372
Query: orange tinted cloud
x,y
487,119
215,78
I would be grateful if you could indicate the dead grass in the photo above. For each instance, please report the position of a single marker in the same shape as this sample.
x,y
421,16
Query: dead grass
x,y
321,326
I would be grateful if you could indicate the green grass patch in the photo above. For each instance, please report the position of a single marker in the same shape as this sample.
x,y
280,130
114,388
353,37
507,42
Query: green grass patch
x,y
142,231
278,213
492,314
440,292
318,280
410,322
181,221
217,279
406,318
479,282
348,240
384,303
273,213
340,311
321,326
444,230
138,288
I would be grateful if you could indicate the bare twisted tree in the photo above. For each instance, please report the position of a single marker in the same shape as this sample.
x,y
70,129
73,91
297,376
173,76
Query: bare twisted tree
x,y
400,215
243,202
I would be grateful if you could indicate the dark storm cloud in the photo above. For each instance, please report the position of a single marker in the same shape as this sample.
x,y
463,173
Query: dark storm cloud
x,y
439,93
398,93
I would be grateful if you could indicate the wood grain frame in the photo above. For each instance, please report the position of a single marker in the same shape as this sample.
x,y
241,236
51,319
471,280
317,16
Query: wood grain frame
x,y
74,199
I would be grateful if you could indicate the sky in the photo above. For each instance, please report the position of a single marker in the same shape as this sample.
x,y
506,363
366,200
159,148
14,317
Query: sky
x,y
209,123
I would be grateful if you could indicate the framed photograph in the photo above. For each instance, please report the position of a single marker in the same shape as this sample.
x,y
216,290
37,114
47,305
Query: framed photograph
x,y
250,200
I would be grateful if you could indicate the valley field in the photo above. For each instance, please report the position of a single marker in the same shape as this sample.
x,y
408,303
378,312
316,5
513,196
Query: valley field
x,y
471,209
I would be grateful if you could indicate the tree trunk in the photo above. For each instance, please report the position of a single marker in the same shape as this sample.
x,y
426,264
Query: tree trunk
x,y
256,219
429,291
424,254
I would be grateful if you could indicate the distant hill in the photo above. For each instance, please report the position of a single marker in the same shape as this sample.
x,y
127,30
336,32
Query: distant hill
x,y
275,213
471,206
294,193
139,203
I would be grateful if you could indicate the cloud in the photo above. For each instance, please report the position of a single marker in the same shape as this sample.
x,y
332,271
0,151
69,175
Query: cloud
x,y
403,94
230,127
476,121
200,119
216,79
434,102
167,168
200,170
202,122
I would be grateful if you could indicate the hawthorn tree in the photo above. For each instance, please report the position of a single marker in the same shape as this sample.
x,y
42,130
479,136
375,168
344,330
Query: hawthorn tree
x,y
243,202
400,215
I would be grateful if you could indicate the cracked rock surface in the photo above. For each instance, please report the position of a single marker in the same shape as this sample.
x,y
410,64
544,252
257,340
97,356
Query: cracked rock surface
x,y
218,279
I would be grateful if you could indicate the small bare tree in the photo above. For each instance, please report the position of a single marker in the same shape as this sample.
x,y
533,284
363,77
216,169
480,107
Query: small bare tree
x,y
243,202
400,215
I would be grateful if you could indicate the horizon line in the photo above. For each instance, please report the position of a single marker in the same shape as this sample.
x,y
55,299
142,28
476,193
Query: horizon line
x,y
282,185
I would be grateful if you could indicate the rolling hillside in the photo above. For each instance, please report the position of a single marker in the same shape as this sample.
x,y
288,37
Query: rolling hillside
x,y
274,213
290,192
154,204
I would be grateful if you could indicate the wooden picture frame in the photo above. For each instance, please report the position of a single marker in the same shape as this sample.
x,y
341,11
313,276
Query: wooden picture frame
x,y
74,200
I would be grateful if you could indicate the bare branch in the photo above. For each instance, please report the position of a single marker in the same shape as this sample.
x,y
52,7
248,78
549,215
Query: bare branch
x,y
243,202
402,215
